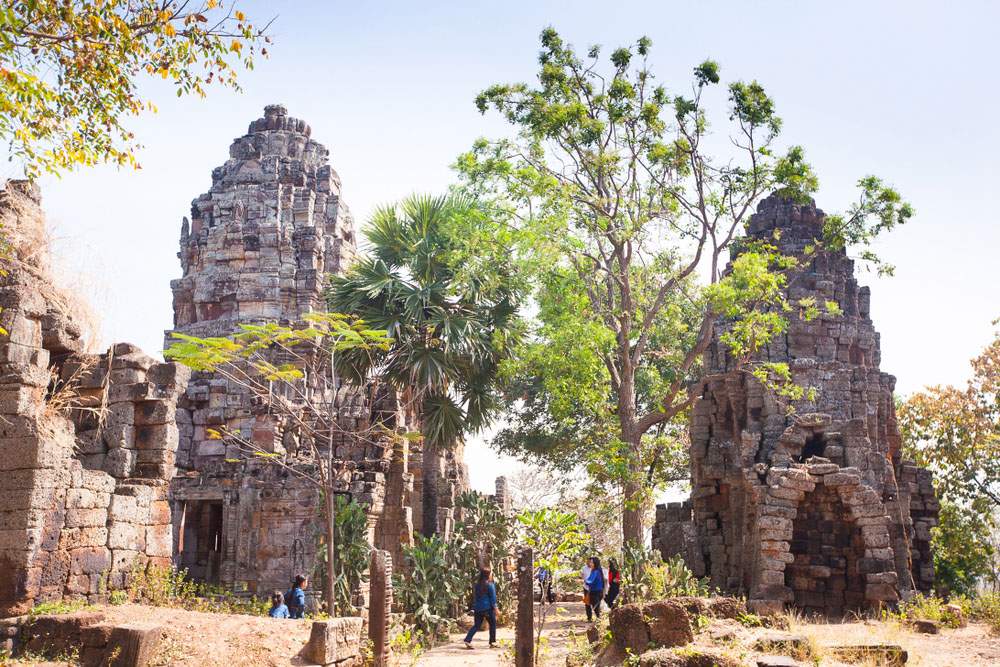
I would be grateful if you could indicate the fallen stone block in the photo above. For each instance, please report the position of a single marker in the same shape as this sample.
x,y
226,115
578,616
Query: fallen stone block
x,y
687,657
786,644
628,628
777,661
52,634
890,655
334,641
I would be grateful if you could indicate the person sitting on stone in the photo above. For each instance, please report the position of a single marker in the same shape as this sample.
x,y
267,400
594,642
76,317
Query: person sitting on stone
x,y
296,597
278,607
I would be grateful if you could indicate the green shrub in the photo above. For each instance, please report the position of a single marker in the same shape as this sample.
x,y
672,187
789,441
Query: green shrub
x,y
437,587
985,608
926,607
430,587
353,552
67,606
647,577
169,587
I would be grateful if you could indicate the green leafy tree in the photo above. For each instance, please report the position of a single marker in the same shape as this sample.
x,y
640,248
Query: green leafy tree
x,y
451,311
291,372
962,546
555,537
619,203
70,71
353,552
955,431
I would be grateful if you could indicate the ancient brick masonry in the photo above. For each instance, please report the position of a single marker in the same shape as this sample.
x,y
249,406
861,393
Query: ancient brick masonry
x,y
87,441
815,508
258,247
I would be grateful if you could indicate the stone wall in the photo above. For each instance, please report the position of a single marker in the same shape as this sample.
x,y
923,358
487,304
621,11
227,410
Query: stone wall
x,y
87,441
813,506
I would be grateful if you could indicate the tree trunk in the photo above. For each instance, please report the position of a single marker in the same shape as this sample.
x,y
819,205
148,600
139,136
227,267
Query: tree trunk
x,y
330,503
632,529
431,488
632,487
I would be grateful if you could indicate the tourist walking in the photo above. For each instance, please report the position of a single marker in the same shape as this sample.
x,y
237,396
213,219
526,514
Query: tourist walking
x,y
595,588
585,574
614,583
484,607
544,578
278,607
296,597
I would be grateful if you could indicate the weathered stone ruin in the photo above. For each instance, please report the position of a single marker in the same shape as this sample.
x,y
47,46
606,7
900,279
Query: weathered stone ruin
x,y
87,441
815,507
106,462
259,247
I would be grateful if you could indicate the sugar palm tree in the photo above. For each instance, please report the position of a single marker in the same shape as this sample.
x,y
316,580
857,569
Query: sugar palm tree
x,y
450,306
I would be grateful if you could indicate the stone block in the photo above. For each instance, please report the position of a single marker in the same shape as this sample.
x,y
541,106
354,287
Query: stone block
x,y
133,645
334,640
887,655
159,541
124,509
628,628
85,518
688,657
668,623
89,560
127,536
155,412
156,436
120,462
97,481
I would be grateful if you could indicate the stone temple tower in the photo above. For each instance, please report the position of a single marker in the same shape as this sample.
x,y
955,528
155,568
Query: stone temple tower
x,y
256,249
259,247
813,507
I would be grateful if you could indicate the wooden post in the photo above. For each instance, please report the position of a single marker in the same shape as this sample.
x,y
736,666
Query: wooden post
x,y
524,638
379,605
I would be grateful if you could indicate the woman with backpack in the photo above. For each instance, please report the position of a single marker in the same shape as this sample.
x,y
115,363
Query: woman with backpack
x,y
484,606
614,583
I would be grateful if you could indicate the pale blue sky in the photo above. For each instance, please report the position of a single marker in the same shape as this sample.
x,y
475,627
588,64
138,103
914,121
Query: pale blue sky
x,y
905,90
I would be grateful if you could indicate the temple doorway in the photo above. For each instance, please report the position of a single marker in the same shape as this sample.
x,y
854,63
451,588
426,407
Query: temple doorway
x,y
201,536
827,545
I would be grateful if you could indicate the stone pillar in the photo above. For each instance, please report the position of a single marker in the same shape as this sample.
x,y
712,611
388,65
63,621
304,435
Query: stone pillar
x,y
524,638
379,605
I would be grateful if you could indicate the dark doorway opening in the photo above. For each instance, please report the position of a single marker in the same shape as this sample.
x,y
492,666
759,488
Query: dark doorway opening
x,y
202,540
815,446
828,547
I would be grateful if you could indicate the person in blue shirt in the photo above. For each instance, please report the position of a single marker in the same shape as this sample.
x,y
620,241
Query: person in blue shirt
x,y
296,597
595,585
484,606
545,584
278,608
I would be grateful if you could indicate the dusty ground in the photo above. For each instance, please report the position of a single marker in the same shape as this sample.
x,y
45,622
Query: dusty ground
x,y
565,619
964,647
211,640
973,645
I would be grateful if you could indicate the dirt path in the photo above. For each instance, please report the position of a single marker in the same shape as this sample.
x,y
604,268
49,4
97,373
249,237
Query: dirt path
x,y
564,619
